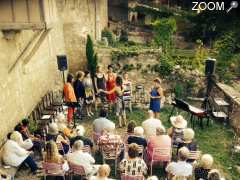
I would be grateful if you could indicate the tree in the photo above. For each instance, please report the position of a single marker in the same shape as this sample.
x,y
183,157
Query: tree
x,y
163,32
92,59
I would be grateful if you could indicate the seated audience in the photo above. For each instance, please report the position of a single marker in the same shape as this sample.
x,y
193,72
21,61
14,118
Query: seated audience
x,y
109,140
14,155
138,137
130,130
133,165
60,121
27,136
17,137
214,174
52,155
151,124
103,173
181,167
78,157
102,122
57,136
130,127
80,136
205,165
161,140
176,131
188,141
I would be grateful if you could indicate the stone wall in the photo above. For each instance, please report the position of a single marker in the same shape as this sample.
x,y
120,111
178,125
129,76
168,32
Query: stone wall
x,y
28,68
80,18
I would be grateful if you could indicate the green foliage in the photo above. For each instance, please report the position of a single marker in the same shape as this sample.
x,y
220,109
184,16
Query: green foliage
x,y
33,126
200,56
124,36
227,59
163,32
162,12
165,67
178,90
92,60
109,35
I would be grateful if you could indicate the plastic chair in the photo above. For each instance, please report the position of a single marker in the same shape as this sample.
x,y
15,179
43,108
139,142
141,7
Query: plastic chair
x,y
53,169
131,177
160,155
77,170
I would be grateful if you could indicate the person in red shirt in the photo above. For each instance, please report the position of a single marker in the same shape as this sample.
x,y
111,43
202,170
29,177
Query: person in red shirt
x,y
69,96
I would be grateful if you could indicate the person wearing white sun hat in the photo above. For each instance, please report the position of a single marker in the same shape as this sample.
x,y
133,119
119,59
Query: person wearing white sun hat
x,y
176,131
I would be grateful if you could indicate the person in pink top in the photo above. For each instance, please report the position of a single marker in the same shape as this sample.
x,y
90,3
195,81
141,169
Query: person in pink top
x,y
161,140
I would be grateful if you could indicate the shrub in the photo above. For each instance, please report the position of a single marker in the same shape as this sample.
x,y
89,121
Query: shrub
x,y
109,35
163,31
178,90
92,60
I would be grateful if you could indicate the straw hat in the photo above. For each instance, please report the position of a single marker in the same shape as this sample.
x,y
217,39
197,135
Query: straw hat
x,y
138,131
206,161
178,122
188,134
53,129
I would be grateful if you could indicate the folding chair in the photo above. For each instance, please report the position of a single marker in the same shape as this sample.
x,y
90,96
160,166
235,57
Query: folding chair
x,y
53,169
194,155
160,155
131,177
77,170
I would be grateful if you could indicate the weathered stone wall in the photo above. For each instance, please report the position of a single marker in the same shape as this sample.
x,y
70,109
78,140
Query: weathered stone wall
x,y
80,18
22,85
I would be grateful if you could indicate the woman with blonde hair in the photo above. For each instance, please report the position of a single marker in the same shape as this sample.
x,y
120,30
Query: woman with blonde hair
x,y
205,165
89,93
103,173
52,155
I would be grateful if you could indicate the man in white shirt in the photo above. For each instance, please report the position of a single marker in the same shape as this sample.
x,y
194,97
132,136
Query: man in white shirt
x,y
151,124
181,167
102,123
78,157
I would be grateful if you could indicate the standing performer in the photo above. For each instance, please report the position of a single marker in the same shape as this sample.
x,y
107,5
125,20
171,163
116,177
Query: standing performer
x,y
100,83
79,90
155,97
69,97
89,93
120,106
111,83
127,95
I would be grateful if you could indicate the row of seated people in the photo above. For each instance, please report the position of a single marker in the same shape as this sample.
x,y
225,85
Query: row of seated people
x,y
155,137
104,129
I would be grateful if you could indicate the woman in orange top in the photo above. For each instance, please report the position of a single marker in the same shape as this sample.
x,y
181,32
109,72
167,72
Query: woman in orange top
x,y
69,96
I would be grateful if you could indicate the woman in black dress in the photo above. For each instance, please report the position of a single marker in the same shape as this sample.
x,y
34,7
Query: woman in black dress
x,y
79,89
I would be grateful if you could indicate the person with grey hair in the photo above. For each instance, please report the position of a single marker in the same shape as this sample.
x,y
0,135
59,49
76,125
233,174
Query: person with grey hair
x,y
138,137
160,140
151,124
78,157
80,131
